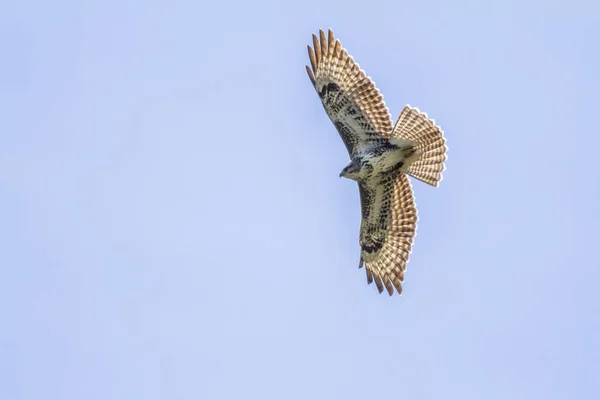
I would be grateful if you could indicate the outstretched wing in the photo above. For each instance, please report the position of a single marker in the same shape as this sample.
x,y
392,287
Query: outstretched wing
x,y
349,96
388,227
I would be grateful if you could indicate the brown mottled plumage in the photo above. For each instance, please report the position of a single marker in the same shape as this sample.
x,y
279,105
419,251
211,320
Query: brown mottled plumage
x,y
381,157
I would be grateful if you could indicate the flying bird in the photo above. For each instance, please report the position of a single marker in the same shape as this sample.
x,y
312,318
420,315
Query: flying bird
x,y
381,157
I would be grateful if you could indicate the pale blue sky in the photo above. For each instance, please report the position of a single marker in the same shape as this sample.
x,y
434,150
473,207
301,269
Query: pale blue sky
x,y
172,223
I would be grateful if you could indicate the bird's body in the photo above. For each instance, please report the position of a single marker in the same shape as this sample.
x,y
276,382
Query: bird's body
x,y
381,157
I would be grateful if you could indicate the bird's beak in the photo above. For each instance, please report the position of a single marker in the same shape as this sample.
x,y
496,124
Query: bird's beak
x,y
341,174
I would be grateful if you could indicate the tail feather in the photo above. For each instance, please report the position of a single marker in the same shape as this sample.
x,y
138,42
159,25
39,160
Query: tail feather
x,y
431,144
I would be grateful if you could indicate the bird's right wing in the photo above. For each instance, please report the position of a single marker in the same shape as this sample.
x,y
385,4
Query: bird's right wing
x,y
388,227
349,96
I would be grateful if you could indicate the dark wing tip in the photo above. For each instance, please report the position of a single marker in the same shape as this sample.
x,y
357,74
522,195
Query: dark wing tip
x,y
323,42
317,46
388,285
331,41
378,282
313,59
310,74
369,276
398,284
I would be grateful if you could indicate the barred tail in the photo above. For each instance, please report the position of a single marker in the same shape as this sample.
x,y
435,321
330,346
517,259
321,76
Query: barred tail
x,y
431,144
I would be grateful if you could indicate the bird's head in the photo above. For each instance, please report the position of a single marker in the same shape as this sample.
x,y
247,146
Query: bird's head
x,y
351,171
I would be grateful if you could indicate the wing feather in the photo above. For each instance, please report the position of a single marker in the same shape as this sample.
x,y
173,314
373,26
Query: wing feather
x,y
317,49
388,228
349,96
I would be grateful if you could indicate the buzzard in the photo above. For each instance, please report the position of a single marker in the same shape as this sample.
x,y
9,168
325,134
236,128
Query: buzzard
x,y
381,157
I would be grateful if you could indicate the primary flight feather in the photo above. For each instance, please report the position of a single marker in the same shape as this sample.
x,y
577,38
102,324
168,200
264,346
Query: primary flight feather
x,y
381,157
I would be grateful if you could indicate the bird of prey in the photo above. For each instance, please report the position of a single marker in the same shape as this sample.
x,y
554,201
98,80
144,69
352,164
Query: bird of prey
x,y
381,157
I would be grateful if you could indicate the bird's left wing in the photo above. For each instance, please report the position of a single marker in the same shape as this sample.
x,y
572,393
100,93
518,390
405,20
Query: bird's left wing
x,y
349,96
388,227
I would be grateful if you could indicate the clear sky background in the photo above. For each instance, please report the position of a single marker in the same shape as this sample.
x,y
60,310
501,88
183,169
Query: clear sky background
x,y
172,223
